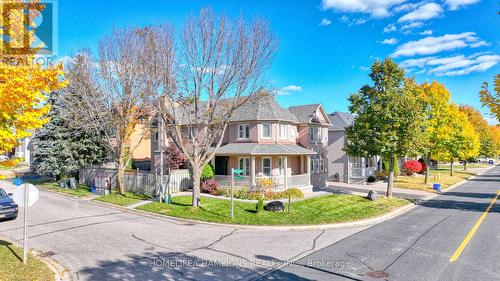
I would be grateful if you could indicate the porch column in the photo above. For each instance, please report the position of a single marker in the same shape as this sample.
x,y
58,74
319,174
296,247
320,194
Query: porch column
x,y
308,168
285,165
252,170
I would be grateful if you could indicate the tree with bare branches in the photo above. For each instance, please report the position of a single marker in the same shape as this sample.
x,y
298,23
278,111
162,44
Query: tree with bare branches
x,y
216,66
113,94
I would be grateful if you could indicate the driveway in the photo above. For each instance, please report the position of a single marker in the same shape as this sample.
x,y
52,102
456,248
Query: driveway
x,y
98,242
419,244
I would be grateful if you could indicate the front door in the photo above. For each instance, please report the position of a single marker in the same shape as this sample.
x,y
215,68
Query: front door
x,y
221,165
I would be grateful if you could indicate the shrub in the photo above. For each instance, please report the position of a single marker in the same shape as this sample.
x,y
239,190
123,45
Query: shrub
x,y
207,172
412,166
260,204
382,175
210,186
294,193
265,183
371,179
424,166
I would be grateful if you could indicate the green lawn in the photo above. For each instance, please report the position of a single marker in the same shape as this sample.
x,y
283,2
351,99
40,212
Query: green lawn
x,y
325,209
13,269
81,191
128,198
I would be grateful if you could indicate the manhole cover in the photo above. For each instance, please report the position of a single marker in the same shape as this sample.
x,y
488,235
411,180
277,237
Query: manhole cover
x,y
377,274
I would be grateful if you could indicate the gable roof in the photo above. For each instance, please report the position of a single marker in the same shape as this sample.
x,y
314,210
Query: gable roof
x,y
304,113
264,108
340,120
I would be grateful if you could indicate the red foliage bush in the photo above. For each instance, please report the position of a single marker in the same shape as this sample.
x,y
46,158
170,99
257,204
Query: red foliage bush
x,y
209,186
413,166
424,166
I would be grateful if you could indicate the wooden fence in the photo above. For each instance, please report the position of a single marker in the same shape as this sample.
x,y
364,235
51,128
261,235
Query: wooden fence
x,y
143,182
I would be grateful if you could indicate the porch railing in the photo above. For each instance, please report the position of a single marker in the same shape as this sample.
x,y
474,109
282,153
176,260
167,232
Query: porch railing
x,y
278,181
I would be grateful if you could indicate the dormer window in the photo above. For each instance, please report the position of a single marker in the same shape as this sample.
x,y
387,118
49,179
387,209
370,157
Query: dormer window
x,y
266,131
243,131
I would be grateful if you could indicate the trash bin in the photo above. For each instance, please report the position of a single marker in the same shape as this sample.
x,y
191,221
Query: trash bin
x,y
437,186
93,189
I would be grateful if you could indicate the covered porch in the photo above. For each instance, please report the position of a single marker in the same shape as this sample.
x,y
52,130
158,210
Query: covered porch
x,y
286,165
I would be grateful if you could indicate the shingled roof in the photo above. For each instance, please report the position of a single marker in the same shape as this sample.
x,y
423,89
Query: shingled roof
x,y
340,120
264,108
263,149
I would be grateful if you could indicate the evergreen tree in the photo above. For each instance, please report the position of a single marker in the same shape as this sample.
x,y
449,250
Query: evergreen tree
x,y
60,150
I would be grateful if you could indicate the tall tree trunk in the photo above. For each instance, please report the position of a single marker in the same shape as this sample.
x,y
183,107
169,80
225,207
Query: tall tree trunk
x,y
391,177
465,165
451,167
427,167
120,173
196,174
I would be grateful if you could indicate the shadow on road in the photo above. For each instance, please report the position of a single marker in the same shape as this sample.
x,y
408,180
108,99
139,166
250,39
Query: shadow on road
x,y
458,205
171,266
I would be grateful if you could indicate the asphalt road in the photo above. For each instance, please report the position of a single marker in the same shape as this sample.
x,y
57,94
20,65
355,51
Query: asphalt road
x,y
98,242
417,245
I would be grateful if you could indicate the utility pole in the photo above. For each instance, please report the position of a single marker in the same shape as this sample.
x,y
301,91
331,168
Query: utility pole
x,y
25,224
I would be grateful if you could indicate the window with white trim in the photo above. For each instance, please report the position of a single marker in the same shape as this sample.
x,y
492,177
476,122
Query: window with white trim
x,y
244,165
243,131
266,131
314,134
266,166
282,131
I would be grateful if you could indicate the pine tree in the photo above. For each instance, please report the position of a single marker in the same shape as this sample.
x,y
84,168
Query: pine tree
x,y
60,150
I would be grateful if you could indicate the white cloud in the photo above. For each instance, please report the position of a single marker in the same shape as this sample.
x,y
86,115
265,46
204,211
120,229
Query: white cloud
x,y
364,68
452,66
376,8
325,22
389,41
456,4
409,26
423,12
288,89
479,44
432,45
426,32
390,28
352,21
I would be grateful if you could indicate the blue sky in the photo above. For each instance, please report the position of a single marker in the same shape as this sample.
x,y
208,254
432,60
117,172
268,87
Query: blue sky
x,y
327,46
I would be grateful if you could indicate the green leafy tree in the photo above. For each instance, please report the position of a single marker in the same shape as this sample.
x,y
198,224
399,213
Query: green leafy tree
x,y
389,117
59,150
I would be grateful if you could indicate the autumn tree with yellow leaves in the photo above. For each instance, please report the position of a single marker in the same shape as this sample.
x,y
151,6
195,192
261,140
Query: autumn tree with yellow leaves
x,y
24,87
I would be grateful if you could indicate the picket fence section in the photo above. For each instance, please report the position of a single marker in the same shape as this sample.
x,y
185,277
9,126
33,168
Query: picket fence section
x,y
142,182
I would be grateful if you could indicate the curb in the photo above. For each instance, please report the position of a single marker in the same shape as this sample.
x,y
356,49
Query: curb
x,y
350,224
60,272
